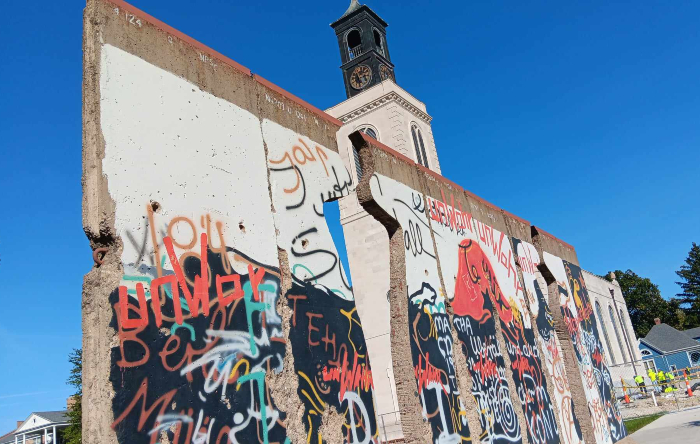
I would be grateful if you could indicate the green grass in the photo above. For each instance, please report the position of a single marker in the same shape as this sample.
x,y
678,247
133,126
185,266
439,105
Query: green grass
x,y
635,424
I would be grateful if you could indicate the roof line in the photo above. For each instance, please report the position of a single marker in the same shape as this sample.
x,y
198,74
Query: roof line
x,y
226,60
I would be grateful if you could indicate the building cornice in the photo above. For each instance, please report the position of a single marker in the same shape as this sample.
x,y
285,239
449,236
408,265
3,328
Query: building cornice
x,y
381,101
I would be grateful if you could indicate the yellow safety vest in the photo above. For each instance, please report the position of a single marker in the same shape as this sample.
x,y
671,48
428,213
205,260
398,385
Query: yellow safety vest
x,y
662,377
638,379
652,376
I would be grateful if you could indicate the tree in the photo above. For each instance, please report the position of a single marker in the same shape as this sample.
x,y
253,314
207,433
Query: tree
x,y
689,273
644,303
73,433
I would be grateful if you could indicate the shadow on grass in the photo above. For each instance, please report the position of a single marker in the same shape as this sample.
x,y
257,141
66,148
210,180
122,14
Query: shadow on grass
x,y
634,424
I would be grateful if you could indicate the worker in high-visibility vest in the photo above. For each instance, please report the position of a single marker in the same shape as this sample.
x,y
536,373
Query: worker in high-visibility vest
x,y
671,380
639,379
652,376
662,380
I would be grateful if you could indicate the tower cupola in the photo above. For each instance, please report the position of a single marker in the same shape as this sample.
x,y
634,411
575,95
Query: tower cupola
x,y
364,52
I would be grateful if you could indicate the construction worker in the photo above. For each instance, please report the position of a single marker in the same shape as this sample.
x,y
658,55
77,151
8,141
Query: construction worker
x,y
671,380
662,380
652,377
639,379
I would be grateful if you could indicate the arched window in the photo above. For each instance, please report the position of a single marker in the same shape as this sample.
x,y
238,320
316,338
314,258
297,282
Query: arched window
x,y
378,41
601,319
628,337
620,342
371,132
419,146
354,42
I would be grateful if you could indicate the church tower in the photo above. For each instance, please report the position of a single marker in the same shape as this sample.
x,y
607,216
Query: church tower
x,y
381,109
364,52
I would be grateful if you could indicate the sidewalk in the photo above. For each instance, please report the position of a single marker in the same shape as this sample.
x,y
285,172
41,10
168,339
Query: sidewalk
x,y
677,427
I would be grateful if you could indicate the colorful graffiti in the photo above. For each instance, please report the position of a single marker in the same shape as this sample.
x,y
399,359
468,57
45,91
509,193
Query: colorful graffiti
x,y
486,279
535,290
330,354
197,313
198,332
577,311
430,327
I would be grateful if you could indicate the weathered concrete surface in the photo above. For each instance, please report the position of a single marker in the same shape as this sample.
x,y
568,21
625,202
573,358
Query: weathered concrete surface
x,y
677,427
219,312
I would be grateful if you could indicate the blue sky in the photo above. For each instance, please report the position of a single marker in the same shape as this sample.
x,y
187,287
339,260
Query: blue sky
x,y
583,119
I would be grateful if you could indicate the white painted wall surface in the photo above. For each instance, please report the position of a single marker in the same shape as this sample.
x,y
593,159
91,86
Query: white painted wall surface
x,y
170,142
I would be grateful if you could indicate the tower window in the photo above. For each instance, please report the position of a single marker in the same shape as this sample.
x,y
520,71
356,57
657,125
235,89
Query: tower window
x,y
371,133
378,41
421,157
354,41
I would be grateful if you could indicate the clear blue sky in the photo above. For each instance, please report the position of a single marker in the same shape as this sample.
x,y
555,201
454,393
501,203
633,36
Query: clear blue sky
x,y
583,119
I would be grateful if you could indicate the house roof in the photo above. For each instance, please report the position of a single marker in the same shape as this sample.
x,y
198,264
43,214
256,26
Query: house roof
x,y
10,437
55,416
693,332
666,339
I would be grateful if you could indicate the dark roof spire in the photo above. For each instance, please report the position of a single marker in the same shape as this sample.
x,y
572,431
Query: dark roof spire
x,y
354,6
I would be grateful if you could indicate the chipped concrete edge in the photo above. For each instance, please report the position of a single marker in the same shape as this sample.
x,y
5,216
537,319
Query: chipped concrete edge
x,y
414,429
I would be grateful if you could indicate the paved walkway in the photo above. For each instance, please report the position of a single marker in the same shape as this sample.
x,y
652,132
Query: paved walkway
x,y
678,427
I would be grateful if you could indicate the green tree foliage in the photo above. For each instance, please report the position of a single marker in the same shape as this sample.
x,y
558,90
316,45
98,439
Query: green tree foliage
x,y
73,433
644,303
689,299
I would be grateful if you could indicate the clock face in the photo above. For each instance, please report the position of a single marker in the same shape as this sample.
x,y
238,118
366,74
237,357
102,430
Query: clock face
x,y
385,72
360,77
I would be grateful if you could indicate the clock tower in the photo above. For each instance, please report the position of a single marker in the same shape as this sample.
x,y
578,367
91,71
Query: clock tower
x,y
383,110
363,49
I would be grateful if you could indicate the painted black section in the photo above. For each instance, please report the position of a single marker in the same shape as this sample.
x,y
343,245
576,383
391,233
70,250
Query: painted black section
x,y
331,361
190,405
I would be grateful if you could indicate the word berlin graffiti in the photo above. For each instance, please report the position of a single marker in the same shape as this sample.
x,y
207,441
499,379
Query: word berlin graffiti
x,y
577,311
430,328
198,330
535,290
486,279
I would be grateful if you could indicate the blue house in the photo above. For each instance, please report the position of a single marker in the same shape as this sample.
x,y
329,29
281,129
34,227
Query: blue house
x,y
665,348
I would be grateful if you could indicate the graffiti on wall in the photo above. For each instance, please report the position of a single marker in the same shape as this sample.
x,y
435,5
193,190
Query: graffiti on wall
x,y
535,290
486,279
198,330
577,311
330,353
429,325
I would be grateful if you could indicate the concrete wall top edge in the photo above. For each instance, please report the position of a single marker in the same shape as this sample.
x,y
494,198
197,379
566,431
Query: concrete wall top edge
x,y
222,58
458,188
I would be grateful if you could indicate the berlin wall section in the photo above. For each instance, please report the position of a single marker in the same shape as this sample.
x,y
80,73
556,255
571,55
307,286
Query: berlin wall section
x,y
217,310
486,355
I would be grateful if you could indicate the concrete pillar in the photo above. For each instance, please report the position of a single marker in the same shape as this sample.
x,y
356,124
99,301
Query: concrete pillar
x,y
55,438
24,438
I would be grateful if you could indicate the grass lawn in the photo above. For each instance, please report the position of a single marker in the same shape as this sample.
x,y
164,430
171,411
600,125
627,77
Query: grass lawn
x,y
635,424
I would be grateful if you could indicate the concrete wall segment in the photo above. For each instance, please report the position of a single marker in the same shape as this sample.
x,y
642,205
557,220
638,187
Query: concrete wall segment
x,y
164,119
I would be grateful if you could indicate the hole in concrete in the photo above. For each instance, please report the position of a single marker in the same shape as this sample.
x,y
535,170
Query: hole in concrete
x,y
304,243
155,206
241,227
426,272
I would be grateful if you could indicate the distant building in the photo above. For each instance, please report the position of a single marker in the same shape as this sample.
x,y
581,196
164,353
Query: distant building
x,y
622,356
665,348
39,428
